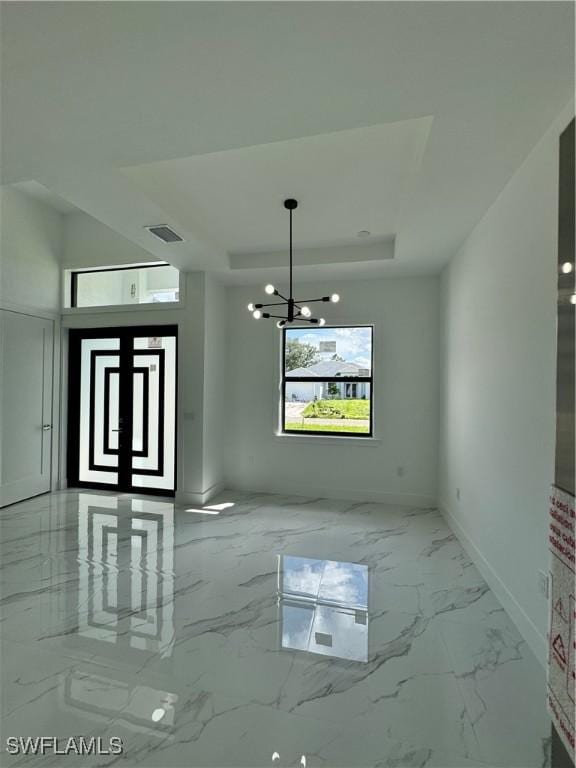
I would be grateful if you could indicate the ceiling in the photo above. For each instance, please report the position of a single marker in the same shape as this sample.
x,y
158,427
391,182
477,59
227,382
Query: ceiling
x,y
38,192
345,182
402,118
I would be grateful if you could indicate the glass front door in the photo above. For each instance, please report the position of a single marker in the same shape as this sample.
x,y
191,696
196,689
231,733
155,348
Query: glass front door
x,y
122,409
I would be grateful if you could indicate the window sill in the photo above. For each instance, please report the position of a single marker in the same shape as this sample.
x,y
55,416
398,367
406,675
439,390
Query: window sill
x,y
370,442
144,307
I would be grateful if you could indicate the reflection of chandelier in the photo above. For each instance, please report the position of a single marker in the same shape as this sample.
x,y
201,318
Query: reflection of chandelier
x,y
295,309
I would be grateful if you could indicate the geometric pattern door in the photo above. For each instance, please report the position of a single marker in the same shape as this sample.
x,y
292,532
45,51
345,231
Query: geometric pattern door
x,y
122,409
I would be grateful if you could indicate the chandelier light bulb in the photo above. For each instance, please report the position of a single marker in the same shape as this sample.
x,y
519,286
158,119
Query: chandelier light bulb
x,y
567,267
269,289
335,298
280,323
306,311
257,314
251,307
322,321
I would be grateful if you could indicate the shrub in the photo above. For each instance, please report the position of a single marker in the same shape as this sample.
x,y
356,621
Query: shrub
x,y
338,409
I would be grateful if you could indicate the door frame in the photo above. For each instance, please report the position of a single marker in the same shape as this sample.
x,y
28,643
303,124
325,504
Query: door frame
x,y
126,334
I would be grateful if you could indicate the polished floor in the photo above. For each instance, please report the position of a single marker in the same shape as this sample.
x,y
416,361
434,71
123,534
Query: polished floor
x,y
261,631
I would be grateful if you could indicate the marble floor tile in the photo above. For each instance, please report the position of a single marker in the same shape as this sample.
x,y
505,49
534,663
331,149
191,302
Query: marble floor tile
x,y
261,631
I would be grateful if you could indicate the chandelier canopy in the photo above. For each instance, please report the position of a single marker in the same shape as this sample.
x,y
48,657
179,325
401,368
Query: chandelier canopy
x,y
297,310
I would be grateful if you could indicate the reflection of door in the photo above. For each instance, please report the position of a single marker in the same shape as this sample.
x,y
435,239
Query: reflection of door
x,y
26,371
122,409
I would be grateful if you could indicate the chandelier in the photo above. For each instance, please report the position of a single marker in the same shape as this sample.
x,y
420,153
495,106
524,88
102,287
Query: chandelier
x,y
295,309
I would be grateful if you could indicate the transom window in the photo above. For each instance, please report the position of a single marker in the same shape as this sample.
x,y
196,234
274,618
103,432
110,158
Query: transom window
x,y
112,286
327,380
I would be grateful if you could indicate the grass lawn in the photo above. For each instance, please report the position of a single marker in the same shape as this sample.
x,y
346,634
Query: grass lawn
x,y
297,425
338,409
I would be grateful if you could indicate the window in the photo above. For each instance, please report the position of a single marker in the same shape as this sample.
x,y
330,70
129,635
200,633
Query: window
x,y
112,286
327,381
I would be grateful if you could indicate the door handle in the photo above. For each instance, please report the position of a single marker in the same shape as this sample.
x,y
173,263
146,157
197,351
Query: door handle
x,y
46,427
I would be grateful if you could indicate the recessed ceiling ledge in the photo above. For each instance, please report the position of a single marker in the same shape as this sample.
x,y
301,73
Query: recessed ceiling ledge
x,y
380,250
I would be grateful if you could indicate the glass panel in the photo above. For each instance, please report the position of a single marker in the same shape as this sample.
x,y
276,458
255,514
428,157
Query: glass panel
x,y
99,410
141,285
114,400
328,352
148,414
154,417
140,402
328,406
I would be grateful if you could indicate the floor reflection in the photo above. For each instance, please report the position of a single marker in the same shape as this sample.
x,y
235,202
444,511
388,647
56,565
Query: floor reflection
x,y
324,607
126,572
125,600
140,706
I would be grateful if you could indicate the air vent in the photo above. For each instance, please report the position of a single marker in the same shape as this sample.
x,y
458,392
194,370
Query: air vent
x,y
164,233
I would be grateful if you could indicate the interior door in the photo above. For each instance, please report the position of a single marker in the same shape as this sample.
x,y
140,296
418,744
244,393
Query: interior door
x,y
26,382
122,409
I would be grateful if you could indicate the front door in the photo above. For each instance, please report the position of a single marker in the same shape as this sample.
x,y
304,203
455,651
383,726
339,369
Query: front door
x,y
122,409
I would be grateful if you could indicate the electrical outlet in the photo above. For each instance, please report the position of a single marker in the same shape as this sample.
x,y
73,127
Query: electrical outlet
x,y
458,494
543,584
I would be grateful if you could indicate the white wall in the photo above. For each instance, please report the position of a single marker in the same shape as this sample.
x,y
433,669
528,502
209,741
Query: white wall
x,y
405,313
498,411
89,243
215,383
30,250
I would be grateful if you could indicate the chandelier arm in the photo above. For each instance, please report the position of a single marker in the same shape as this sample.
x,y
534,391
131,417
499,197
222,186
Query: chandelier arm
x,y
308,301
274,304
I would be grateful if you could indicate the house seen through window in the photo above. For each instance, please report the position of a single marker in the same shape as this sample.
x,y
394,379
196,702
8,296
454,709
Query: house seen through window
x,y
327,380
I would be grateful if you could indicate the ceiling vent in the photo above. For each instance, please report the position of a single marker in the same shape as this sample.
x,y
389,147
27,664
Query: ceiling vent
x,y
164,233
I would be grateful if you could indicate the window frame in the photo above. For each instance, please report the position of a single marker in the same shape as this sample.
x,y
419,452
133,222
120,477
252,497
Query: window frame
x,y
338,379
74,284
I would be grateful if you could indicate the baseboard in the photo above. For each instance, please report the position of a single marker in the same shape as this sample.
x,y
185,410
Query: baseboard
x,y
199,498
524,624
21,490
379,497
